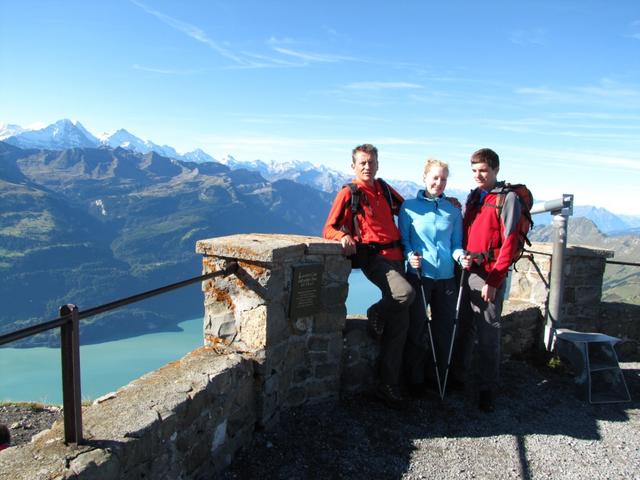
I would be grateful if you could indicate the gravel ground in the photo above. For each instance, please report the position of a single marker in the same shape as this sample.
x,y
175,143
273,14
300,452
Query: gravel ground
x,y
26,419
540,429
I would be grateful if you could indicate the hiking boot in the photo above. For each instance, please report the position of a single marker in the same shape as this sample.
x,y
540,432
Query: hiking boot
x,y
454,385
375,326
391,396
486,401
418,390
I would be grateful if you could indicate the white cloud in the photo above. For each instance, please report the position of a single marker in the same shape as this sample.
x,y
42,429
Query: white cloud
x,y
608,93
280,41
544,158
610,89
567,128
245,59
403,141
269,61
599,116
534,36
435,97
164,71
269,142
335,35
382,85
538,91
294,118
312,57
191,31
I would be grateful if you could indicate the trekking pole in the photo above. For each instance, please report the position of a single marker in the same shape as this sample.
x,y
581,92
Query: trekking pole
x,y
426,314
453,333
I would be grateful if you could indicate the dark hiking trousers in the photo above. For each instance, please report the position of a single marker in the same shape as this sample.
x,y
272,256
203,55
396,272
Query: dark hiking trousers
x,y
393,308
479,323
441,296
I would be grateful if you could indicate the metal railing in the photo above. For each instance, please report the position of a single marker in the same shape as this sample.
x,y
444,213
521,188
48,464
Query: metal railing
x,y
69,323
628,264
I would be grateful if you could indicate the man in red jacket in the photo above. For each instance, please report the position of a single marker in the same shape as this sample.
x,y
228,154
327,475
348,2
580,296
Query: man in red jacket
x,y
490,242
374,231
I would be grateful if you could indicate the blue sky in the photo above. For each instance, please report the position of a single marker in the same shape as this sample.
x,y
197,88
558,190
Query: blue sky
x,y
552,86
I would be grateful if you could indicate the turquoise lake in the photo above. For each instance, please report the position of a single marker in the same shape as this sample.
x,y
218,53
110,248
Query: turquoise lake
x,y
33,374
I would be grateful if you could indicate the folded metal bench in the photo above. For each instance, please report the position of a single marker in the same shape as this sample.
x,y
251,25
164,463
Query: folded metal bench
x,y
595,363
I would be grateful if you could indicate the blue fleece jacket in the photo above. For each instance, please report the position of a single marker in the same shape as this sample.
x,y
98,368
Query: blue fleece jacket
x,y
433,228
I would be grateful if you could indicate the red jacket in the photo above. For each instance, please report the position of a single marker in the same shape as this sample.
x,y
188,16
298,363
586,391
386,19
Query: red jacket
x,y
496,236
375,221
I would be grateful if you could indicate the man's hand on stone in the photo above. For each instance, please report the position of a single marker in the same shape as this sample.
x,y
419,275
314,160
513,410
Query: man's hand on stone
x,y
348,245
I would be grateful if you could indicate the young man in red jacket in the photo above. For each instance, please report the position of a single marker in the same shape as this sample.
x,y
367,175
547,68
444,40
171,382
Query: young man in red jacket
x,y
373,230
490,242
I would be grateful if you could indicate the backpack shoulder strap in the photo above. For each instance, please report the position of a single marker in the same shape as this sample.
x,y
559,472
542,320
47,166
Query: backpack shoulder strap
x,y
387,192
500,196
355,197
472,197
505,188
393,198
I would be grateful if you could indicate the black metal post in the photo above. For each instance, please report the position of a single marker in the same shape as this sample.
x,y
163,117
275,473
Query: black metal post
x,y
71,393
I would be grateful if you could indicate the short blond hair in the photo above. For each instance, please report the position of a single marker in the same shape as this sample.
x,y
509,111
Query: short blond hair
x,y
434,162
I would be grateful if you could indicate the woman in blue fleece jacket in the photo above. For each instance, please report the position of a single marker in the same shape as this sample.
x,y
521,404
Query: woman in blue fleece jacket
x,y
431,229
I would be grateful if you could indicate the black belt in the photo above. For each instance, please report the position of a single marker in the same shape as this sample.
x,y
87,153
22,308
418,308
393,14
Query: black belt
x,y
378,247
481,257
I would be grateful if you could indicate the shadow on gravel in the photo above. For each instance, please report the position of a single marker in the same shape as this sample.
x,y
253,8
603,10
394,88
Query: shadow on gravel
x,y
360,438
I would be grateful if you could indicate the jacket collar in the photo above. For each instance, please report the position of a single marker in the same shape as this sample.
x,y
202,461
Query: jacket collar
x,y
364,186
422,195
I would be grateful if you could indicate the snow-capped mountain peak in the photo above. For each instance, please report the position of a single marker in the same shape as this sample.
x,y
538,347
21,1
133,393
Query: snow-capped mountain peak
x,y
9,130
198,155
61,134
229,161
299,165
86,132
124,139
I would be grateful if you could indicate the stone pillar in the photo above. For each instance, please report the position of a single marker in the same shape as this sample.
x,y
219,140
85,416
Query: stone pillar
x,y
530,277
297,359
584,273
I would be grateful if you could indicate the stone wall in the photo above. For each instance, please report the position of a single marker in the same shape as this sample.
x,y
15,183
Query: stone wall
x,y
184,420
522,329
621,320
297,357
358,356
582,308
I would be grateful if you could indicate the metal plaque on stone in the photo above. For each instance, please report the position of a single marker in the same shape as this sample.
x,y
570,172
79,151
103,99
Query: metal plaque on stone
x,y
305,290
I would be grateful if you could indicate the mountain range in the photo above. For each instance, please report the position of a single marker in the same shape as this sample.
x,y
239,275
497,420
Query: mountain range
x,y
89,225
65,134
